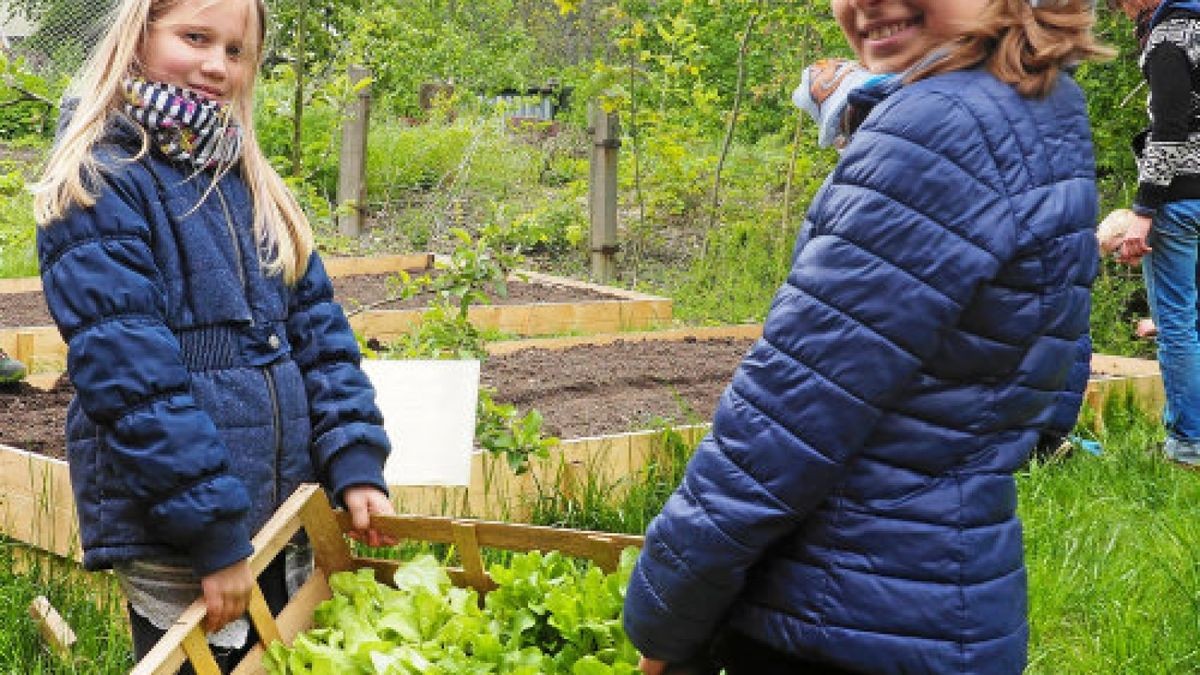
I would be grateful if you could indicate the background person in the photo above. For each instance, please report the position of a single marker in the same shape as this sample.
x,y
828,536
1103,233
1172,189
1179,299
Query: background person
x,y
1164,232
853,508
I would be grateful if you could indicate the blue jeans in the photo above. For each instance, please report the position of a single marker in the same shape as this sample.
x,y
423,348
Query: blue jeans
x,y
1171,270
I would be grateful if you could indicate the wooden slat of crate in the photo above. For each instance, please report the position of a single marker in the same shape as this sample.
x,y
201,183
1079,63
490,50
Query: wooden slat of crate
x,y
309,508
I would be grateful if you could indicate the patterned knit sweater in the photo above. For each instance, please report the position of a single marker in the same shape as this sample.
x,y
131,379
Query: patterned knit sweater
x,y
1169,151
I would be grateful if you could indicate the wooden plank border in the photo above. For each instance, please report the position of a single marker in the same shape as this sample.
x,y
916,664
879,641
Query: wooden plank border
x,y
335,266
37,506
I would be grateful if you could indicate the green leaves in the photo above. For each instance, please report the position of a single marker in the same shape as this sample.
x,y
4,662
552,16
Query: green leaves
x,y
549,614
501,429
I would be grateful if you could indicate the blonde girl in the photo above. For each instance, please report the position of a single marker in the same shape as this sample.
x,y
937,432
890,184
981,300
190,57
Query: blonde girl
x,y
213,371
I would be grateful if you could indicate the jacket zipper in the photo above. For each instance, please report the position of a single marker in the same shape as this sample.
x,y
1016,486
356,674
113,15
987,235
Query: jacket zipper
x,y
277,425
276,421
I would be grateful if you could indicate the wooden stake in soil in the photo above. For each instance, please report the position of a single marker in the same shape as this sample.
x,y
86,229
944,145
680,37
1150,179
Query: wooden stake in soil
x,y
24,351
352,171
55,631
605,128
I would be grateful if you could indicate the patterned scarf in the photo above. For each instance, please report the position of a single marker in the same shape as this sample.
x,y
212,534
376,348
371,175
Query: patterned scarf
x,y
1149,18
183,124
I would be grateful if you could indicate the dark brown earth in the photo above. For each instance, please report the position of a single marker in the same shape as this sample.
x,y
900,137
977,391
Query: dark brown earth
x,y
29,309
580,391
34,419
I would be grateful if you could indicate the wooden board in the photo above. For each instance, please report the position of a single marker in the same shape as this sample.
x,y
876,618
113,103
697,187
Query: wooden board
x,y
37,506
309,509
542,318
335,266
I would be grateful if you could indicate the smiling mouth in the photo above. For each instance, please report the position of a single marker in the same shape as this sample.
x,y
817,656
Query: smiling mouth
x,y
882,32
208,93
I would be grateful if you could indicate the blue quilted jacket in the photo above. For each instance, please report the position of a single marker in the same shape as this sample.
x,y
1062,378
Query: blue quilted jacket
x,y
206,390
854,503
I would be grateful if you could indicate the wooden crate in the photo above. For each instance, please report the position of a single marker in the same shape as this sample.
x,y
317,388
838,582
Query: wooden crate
x,y
309,509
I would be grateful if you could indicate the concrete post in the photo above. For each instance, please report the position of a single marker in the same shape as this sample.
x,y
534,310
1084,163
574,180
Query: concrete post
x,y
352,165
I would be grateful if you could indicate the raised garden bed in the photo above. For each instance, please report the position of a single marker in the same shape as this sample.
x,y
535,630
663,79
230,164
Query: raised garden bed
x,y
536,304
602,394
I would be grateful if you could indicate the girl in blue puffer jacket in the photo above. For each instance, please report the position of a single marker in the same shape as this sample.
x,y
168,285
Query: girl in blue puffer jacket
x,y
853,509
213,371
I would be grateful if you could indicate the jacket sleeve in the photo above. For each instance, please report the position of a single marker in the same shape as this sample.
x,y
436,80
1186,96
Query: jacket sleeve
x,y
105,292
907,229
349,443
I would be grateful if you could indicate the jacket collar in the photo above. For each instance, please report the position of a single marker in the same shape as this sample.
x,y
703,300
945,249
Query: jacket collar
x,y
864,99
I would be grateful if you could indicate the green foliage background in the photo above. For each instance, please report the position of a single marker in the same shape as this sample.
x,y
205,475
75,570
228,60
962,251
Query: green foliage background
x,y
670,68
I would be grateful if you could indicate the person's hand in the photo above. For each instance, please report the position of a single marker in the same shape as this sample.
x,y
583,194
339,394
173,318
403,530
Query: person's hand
x,y
650,666
1112,229
1133,244
363,501
226,594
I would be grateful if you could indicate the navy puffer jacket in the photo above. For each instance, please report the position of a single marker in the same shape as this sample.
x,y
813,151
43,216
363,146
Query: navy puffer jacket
x,y
206,390
854,503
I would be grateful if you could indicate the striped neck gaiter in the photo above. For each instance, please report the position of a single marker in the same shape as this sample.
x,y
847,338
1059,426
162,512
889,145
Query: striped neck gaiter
x,y
184,125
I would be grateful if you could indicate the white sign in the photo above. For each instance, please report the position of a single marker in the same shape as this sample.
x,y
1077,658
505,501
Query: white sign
x,y
429,415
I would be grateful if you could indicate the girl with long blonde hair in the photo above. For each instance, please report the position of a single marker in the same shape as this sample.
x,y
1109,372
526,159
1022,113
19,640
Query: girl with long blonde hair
x,y
213,371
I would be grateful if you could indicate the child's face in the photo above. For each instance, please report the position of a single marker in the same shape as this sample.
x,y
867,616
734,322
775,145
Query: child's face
x,y
202,45
891,35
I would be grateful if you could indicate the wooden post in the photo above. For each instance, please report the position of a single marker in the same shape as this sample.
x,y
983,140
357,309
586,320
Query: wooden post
x,y
352,184
55,631
605,130
299,66
25,350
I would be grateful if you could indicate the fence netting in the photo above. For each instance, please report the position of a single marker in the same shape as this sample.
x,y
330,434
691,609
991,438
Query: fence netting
x,y
51,36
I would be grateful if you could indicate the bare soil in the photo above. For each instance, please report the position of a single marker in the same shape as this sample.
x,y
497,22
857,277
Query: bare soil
x,y
34,419
580,391
19,310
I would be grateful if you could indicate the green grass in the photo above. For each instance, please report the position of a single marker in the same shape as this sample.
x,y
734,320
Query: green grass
x,y
90,603
1112,546
18,253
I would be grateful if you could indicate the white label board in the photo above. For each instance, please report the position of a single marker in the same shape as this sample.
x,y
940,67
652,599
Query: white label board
x,y
429,415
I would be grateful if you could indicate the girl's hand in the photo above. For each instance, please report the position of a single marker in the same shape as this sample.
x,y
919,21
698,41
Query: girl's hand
x,y
362,501
652,666
227,594
1133,245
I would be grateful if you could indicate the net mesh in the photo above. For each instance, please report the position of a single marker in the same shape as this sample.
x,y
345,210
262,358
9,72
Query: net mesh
x,y
51,36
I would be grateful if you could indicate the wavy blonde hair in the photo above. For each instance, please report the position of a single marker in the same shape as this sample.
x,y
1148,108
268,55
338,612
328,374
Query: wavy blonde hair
x,y
283,231
1024,46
